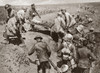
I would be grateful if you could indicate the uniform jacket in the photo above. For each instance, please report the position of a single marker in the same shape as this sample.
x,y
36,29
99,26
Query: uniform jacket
x,y
29,13
72,49
59,24
69,19
11,26
11,13
90,37
42,51
84,57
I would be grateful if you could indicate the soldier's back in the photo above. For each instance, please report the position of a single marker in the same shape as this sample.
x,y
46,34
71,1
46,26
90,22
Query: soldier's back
x,y
41,50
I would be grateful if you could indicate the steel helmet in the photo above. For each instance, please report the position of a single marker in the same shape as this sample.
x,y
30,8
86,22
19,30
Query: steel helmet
x,y
7,6
68,37
80,28
64,68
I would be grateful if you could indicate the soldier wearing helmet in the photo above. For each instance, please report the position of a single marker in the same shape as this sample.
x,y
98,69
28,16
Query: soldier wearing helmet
x,y
91,39
30,15
69,19
43,53
13,27
31,12
79,35
68,53
59,24
10,12
85,58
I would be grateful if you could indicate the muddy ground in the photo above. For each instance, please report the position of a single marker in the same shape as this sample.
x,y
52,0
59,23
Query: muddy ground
x,y
14,60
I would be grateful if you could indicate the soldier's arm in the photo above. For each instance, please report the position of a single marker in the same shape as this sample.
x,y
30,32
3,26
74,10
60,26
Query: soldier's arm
x,y
74,52
10,26
68,19
37,13
13,13
62,23
28,15
32,50
92,56
48,50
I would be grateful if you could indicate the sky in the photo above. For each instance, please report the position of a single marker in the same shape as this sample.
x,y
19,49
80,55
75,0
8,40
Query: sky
x,y
38,2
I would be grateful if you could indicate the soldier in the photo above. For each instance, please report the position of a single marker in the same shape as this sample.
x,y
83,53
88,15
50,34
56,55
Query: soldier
x,y
13,27
78,35
31,12
10,12
58,29
69,19
59,25
68,53
85,57
87,20
43,53
30,15
78,19
91,39
68,38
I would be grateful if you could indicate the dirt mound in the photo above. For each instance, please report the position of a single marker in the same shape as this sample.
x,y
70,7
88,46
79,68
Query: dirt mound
x,y
13,59
96,68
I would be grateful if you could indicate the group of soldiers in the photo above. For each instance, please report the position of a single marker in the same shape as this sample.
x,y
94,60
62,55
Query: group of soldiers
x,y
15,20
89,9
74,50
